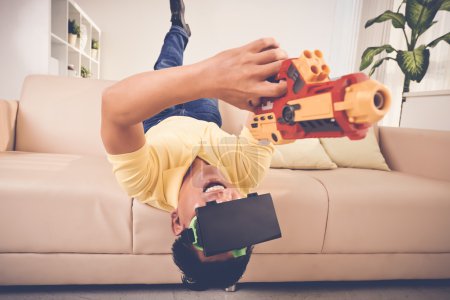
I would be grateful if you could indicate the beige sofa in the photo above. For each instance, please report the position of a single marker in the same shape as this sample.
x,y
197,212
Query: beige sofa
x,y
64,220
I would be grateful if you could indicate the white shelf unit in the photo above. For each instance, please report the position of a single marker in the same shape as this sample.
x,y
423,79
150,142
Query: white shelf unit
x,y
63,53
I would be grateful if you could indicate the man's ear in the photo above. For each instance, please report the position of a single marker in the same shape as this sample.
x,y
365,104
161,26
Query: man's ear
x,y
177,227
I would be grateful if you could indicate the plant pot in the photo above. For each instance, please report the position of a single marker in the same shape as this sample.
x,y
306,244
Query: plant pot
x,y
94,53
72,39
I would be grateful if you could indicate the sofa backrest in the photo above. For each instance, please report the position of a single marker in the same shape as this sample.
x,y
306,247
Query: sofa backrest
x,y
60,115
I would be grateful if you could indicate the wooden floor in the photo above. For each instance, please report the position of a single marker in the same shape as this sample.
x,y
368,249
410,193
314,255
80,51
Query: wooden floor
x,y
417,289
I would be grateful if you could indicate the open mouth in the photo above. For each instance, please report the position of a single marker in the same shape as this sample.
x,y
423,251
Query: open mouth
x,y
213,186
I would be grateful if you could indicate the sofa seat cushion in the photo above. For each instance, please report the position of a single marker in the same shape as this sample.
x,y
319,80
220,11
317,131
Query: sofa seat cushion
x,y
300,202
61,203
374,211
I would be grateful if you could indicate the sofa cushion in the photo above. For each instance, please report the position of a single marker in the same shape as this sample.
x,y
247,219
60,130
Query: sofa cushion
x,y
364,153
60,115
61,203
385,212
300,202
306,154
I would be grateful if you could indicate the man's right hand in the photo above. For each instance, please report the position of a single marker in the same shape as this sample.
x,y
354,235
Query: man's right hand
x,y
238,76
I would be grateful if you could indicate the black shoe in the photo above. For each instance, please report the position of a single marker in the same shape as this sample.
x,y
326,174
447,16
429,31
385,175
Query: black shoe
x,y
177,9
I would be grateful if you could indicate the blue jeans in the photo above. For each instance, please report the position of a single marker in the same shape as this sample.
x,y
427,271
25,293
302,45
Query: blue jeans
x,y
171,56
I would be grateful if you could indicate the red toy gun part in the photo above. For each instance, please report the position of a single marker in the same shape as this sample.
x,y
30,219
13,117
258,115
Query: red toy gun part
x,y
314,106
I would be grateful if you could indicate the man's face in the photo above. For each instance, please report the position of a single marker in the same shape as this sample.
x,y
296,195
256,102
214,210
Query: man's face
x,y
204,183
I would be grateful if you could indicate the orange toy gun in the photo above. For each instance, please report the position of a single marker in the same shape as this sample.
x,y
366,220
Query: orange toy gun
x,y
315,106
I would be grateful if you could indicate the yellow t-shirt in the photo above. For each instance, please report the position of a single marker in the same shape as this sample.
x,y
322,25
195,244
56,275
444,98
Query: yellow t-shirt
x,y
154,173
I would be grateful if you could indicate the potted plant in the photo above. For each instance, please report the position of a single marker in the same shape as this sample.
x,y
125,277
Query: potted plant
x,y
85,73
74,32
414,60
94,49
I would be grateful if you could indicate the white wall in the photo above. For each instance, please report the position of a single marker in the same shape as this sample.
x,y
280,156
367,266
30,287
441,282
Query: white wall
x,y
25,46
133,31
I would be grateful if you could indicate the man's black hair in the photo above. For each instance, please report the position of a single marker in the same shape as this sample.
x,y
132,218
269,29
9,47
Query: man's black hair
x,y
199,276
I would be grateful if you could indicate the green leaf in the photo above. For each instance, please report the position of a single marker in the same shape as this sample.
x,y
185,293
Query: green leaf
x,y
420,13
429,2
425,29
414,64
369,53
445,5
398,20
377,64
445,37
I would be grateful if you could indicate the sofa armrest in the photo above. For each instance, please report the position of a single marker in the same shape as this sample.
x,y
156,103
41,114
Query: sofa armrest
x,y
8,115
417,151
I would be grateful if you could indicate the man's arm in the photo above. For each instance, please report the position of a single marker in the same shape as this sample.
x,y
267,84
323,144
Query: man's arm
x,y
236,76
127,103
